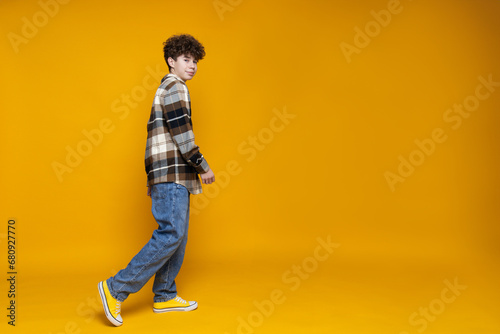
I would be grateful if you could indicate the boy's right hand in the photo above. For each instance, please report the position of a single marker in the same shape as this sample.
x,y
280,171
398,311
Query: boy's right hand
x,y
208,177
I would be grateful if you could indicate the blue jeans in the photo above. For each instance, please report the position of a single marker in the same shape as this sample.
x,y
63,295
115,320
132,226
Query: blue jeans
x,y
162,256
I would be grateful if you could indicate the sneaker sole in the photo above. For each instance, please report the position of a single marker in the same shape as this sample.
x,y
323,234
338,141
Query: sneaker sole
x,y
173,309
112,319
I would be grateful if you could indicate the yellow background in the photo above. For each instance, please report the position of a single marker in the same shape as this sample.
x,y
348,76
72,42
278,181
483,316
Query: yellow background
x,y
320,176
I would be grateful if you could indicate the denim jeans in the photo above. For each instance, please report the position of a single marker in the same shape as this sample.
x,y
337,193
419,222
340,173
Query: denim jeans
x,y
162,256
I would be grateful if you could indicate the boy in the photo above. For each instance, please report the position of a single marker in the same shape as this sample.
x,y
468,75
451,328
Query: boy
x,y
173,163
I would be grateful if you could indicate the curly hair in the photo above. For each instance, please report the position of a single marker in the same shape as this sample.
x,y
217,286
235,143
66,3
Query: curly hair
x,y
184,44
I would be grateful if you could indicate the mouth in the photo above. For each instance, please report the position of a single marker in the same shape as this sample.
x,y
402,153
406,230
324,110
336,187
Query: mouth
x,y
190,73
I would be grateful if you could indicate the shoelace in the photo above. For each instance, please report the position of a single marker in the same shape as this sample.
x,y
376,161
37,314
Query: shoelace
x,y
118,307
180,300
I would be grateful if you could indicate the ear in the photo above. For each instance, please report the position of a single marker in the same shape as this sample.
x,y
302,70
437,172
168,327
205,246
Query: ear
x,y
171,61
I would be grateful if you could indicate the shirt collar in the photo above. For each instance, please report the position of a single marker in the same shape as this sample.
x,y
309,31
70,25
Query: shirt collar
x,y
175,76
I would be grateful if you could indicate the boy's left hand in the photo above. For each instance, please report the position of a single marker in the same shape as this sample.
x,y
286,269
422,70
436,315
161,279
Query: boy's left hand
x,y
208,177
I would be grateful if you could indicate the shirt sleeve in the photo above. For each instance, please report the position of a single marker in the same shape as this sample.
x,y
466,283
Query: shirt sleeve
x,y
176,106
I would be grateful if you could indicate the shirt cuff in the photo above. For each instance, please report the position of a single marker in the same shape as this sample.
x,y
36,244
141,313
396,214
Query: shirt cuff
x,y
202,167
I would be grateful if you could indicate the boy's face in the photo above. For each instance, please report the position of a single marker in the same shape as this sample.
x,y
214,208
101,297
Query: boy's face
x,y
185,66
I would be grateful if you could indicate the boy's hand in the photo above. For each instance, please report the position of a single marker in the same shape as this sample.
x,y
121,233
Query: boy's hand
x,y
149,191
208,177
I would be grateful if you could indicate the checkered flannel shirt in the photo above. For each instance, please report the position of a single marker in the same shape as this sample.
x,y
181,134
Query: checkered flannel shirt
x,y
171,154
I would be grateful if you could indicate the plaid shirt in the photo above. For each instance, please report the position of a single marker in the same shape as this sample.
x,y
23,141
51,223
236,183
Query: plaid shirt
x,y
171,154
